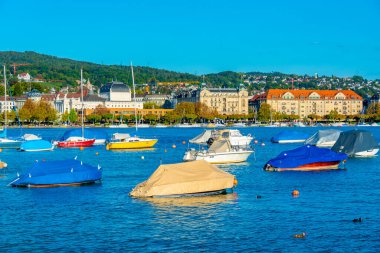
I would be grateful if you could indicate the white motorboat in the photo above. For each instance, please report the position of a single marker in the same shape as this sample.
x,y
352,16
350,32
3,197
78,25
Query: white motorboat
x,y
143,125
324,138
161,126
233,135
119,126
221,151
239,124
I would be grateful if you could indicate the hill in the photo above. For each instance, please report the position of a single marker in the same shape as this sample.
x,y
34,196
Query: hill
x,y
54,69
62,72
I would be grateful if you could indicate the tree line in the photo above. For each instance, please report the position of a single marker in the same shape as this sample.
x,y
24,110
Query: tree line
x,y
185,112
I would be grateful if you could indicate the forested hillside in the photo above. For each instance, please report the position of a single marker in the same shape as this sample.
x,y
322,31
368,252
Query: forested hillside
x,y
58,72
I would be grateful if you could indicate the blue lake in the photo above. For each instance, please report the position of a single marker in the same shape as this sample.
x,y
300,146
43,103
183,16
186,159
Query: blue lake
x,y
102,217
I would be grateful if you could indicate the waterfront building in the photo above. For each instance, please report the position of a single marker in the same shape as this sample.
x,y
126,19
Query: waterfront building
x,y
318,102
6,106
225,101
255,102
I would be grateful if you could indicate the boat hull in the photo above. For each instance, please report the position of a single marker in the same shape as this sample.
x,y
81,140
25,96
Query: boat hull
x,y
367,153
37,150
76,144
55,185
290,141
132,144
308,167
7,143
220,158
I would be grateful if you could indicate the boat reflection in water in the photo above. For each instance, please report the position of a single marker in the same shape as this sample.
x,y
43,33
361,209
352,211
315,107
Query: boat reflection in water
x,y
197,201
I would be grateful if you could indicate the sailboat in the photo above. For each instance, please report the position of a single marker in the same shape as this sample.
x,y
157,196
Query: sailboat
x,y
77,141
6,142
125,141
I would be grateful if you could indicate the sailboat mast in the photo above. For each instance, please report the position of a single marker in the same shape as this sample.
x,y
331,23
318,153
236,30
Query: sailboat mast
x,y
134,96
5,100
81,97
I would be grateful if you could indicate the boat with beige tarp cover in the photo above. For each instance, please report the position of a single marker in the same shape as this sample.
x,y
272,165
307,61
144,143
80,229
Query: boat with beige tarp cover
x,y
195,178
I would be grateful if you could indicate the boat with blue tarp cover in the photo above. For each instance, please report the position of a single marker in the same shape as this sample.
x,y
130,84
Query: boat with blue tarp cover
x,y
306,158
288,136
58,173
36,145
99,135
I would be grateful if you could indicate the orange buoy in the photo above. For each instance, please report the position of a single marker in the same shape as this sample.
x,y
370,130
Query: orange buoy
x,y
1,150
183,142
295,193
235,182
302,235
174,146
81,148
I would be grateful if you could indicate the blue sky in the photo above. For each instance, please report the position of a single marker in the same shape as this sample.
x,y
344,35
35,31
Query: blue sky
x,y
202,36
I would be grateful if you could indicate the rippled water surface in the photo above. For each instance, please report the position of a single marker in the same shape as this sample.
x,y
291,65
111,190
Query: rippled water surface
x,y
103,217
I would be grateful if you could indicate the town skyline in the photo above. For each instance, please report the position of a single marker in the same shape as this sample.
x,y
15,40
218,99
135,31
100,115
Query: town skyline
x,y
203,37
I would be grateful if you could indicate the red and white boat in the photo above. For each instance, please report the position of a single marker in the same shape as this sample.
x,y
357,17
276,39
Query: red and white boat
x,y
76,142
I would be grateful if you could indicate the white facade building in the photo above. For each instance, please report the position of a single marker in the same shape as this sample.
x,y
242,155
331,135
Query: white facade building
x,y
24,77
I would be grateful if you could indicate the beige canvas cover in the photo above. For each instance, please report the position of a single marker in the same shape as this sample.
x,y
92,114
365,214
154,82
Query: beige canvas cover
x,y
184,178
220,146
202,138
120,136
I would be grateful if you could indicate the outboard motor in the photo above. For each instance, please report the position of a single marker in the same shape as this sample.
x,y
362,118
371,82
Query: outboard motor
x,y
210,141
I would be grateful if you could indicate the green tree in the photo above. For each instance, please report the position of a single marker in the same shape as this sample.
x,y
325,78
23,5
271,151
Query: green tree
x,y
373,108
65,116
205,112
18,89
26,112
107,117
73,116
185,108
264,112
151,105
150,118
333,115
94,118
171,117
191,117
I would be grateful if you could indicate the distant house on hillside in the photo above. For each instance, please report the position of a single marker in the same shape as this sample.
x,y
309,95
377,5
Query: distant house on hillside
x,y
24,77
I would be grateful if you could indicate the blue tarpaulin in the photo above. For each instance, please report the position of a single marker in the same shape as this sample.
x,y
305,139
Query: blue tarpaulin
x,y
36,145
290,136
58,172
305,155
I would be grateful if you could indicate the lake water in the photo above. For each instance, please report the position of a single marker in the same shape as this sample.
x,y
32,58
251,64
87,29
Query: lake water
x,y
102,217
